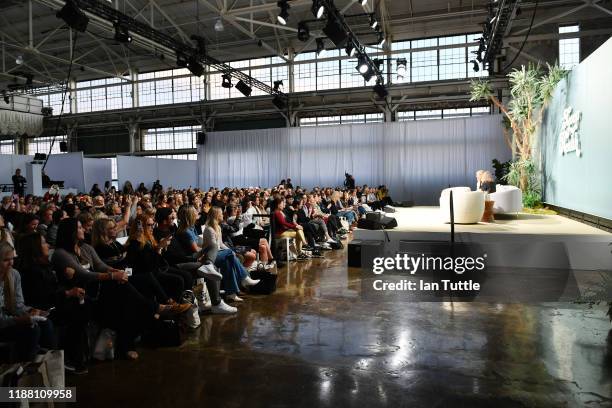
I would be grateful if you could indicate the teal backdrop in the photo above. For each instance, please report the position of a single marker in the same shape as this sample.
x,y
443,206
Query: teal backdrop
x,y
581,183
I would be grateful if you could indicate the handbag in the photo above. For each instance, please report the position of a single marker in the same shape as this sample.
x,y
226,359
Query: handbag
x,y
267,282
190,318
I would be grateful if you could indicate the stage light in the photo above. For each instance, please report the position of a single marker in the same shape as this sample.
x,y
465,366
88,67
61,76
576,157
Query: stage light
x,y
122,35
364,2
277,85
335,32
181,61
350,49
380,90
303,32
279,102
19,60
373,21
227,81
219,25
244,88
475,66
401,67
320,45
381,39
6,98
283,16
195,67
362,65
73,16
318,9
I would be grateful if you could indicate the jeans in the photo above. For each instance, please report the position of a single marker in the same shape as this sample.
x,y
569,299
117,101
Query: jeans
x,y
349,215
232,270
29,338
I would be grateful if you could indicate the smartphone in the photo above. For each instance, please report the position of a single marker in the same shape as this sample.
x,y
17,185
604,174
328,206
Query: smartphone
x,y
128,271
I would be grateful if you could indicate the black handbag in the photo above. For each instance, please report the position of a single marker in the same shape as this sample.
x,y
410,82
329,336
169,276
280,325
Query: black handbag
x,y
267,282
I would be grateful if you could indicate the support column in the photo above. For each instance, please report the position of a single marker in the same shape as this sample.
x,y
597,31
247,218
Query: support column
x,y
134,135
134,80
70,140
72,96
291,57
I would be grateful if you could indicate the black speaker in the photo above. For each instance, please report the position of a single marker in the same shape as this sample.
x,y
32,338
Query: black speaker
x,y
335,32
63,147
361,253
201,138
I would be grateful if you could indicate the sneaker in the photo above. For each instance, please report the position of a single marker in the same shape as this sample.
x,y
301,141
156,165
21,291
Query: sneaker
x,y
317,254
341,236
175,309
302,257
209,271
234,298
330,241
249,282
223,308
77,369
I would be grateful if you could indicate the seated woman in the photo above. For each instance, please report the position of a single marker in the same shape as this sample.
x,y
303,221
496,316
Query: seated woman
x,y
341,210
242,233
152,274
117,304
104,241
58,215
19,323
224,258
285,229
42,290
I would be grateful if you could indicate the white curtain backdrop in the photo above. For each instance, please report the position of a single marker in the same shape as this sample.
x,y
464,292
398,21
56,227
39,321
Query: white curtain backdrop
x,y
19,123
415,159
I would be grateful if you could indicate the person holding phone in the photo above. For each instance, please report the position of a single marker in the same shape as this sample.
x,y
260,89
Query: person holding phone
x,y
64,306
21,324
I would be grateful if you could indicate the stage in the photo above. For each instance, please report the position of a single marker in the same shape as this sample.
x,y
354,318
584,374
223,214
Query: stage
x,y
514,240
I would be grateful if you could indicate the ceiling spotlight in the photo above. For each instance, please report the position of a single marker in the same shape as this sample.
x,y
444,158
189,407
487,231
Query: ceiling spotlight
x,y
320,45
195,67
283,16
19,59
277,85
350,49
303,31
244,88
73,16
373,21
381,39
219,25
318,9
362,65
121,34
335,32
227,81
401,67
380,90
280,102
363,2
181,61
475,66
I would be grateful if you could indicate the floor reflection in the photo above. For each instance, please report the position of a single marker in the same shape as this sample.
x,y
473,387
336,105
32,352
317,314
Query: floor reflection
x,y
316,342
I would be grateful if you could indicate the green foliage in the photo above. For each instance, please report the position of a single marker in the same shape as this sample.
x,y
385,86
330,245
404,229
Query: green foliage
x,y
532,191
480,90
532,199
501,169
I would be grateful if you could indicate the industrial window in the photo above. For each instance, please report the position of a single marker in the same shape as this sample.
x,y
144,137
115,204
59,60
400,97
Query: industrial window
x,y
171,138
569,48
43,144
341,119
7,146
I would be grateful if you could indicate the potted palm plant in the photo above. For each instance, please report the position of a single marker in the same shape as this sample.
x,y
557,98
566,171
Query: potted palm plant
x,y
531,89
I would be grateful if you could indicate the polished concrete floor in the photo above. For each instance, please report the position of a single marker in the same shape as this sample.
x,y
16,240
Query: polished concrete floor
x,y
316,342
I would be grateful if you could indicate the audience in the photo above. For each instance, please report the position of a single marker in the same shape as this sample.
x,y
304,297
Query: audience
x,y
122,259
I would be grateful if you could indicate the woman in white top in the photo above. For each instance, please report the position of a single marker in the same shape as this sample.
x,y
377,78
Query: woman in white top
x,y
224,258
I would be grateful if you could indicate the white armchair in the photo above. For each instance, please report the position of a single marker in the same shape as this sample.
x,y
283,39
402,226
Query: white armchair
x,y
508,199
468,205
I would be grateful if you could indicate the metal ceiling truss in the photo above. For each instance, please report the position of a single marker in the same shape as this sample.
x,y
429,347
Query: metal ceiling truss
x,y
106,17
501,14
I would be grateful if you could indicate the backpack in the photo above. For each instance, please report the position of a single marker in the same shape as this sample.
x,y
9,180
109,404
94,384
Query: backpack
x,y
267,282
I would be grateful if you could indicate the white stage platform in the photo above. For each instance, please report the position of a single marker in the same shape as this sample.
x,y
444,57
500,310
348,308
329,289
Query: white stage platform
x,y
524,239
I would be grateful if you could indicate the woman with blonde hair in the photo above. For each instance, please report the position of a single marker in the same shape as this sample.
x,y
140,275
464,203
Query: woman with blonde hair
x,y
21,324
479,178
224,258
